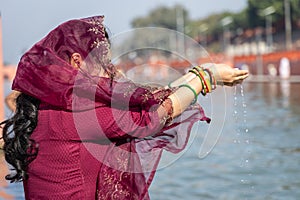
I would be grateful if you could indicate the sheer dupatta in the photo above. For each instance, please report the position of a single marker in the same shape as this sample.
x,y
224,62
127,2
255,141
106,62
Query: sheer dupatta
x,y
130,163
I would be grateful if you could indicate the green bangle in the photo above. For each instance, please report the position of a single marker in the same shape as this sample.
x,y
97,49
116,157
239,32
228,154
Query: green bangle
x,y
197,73
169,85
195,94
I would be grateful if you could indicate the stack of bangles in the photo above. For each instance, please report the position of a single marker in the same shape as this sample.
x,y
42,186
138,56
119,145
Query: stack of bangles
x,y
207,80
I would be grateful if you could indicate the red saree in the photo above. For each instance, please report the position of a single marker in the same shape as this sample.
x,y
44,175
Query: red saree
x,y
99,138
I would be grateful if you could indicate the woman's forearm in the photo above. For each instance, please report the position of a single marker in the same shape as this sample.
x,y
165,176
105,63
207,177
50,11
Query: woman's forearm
x,y
184,96
182,80
189,87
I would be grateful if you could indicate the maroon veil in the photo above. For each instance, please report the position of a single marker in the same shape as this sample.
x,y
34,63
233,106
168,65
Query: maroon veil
x,y
45,73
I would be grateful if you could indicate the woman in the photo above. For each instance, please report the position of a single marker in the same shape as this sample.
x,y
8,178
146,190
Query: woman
x,y
83,131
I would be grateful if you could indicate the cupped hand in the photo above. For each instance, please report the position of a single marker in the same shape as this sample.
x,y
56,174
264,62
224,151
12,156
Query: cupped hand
x,y
227,75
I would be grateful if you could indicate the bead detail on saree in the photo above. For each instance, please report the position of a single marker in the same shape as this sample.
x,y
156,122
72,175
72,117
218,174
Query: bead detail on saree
x,y
97,44
146,97
96,21
114,186
95,30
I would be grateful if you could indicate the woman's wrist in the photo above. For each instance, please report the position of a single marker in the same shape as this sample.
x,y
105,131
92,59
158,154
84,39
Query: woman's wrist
x,y
212,67
212,78
206,78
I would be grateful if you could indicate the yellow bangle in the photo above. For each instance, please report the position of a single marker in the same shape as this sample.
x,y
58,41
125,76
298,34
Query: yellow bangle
x,y
207,85
207,89
194,71
207,81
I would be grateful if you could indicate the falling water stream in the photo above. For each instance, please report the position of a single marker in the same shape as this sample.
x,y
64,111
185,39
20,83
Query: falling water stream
x,y
242,134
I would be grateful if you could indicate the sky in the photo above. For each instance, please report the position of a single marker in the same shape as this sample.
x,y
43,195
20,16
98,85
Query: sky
x,y
25,22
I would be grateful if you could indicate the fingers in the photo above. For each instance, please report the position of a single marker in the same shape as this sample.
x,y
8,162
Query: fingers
x,y
238,79
238,72
233,83
244,72
244,76
241,77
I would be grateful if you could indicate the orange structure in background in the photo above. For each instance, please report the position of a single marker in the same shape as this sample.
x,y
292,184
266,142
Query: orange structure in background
x,y
270,58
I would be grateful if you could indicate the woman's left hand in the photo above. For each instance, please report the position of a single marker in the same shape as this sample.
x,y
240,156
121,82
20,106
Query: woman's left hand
x,y
226,75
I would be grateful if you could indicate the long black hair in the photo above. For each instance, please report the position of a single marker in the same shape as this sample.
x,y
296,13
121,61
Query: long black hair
x,y
19,148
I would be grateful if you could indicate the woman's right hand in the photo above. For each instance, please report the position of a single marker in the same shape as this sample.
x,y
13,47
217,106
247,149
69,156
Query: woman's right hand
x,y
226,75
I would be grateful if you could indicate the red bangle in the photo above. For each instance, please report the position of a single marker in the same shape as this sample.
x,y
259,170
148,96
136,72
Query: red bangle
x,y
212,78
201,73
206,86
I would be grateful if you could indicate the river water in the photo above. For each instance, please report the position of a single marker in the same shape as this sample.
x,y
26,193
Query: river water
x,y
252,150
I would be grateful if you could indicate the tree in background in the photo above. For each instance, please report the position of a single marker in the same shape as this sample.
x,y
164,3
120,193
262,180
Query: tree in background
x,y
162,17
295,5
250,17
